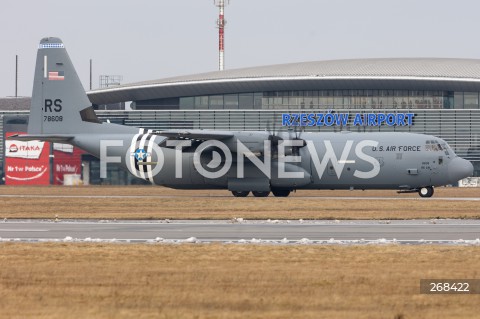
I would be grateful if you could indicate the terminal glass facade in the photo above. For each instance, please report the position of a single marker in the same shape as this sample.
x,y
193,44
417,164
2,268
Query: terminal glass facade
x,y
319,99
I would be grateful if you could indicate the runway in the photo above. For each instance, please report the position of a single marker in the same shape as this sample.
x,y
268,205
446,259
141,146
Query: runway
x,y
390,198
241,231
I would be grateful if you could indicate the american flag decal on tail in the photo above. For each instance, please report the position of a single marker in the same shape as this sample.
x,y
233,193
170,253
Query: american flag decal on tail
x,y
56,75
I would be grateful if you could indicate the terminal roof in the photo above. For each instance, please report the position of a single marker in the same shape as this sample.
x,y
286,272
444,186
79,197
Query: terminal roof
x,y
388,73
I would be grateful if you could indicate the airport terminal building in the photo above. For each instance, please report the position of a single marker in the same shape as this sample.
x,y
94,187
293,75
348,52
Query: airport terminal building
x,y
443,95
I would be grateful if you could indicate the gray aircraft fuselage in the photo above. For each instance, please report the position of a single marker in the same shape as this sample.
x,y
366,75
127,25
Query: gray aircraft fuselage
x,y
346,160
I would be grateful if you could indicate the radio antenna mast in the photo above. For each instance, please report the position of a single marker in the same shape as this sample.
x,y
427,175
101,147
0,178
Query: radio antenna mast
x,y
221,22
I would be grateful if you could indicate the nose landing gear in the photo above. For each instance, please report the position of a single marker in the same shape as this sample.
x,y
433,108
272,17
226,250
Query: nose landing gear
x,y
425,191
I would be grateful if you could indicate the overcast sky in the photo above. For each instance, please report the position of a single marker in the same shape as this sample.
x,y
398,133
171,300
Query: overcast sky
x,y
153,39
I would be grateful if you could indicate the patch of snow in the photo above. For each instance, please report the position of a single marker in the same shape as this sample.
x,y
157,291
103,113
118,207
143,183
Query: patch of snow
x,y
191,240
304,241
335,241
475,242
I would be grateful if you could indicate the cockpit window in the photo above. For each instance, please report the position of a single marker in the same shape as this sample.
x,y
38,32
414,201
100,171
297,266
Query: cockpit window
x,y
432,146
436,146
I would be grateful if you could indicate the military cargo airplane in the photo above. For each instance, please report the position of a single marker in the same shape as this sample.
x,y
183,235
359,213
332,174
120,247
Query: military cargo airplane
x,y
260,162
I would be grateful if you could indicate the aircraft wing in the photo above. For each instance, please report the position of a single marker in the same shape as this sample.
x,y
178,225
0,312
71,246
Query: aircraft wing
x,y
253,140
198,135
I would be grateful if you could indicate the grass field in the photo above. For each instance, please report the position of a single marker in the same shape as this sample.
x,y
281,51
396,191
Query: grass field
x,y
73,280
231,281
161,203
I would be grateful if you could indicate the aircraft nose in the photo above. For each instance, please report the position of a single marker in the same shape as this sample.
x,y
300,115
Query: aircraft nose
x,y
459,169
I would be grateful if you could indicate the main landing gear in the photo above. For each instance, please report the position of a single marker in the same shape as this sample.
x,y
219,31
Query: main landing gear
x,y
260,194
240,194
281,192
276,193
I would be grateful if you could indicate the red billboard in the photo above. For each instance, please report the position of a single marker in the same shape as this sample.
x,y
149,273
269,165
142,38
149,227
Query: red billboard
x,y
66,160
26,163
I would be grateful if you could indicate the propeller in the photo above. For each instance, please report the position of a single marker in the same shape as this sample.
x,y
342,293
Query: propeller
x,y
293,134
273,138
297,136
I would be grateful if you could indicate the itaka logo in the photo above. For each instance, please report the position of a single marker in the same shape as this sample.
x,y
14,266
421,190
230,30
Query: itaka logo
x,y
26,148
19,149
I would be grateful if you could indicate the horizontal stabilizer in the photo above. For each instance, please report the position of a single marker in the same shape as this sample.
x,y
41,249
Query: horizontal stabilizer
x,y
55,138
201,135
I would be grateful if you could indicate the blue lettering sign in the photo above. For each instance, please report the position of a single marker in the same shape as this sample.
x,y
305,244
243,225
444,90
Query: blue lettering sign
x,y
344,119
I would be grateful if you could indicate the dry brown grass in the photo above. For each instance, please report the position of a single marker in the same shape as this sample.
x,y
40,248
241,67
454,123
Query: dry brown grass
x,y
161,203
231,281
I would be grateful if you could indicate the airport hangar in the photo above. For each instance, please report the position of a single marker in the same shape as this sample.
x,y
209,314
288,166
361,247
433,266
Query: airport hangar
x,y
442,93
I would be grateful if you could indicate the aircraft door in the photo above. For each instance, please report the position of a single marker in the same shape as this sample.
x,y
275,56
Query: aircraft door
x,y
436,167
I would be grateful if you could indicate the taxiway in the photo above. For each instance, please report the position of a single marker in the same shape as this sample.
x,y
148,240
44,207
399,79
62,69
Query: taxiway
x,y
240,230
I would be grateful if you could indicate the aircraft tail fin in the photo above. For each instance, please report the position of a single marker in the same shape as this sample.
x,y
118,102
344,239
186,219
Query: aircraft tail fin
x,y
59,102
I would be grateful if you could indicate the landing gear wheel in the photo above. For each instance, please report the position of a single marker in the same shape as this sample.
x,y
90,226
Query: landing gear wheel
x,y
281,192
240,194
260,194
426,191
